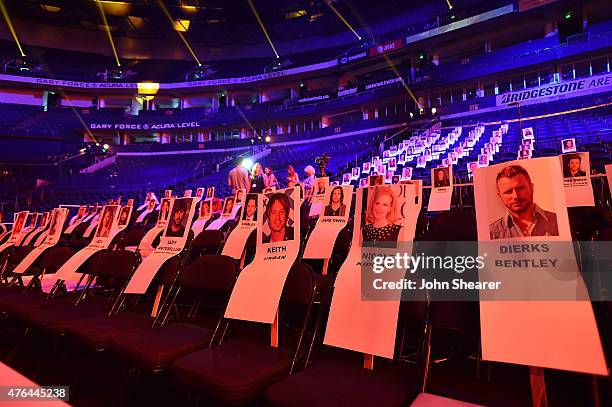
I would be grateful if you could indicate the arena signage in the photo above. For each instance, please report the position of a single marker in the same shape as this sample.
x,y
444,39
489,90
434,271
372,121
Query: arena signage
x,y
351,58
383,83
346,92
314,98
386,47
143,126
175,85
594,84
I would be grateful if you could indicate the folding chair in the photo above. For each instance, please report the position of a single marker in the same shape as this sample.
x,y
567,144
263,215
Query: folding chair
x,y
242,368
337,377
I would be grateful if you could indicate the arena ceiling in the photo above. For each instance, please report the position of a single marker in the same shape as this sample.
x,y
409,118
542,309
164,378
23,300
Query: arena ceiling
x,y
212,22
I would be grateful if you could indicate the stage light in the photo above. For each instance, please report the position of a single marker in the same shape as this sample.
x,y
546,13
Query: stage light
x,y
115,8
190,7
108,33
148,88
268,139
448,3
97,144
247,163
105,147
10,26
433,110
181,25
263,28
411,115
331,6
50,9
83,150
568,15
180,34
421,111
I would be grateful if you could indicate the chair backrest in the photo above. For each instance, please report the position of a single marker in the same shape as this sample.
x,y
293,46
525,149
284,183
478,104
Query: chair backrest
x,y
210,273
133,237
207,242
55,257
299,286
116,264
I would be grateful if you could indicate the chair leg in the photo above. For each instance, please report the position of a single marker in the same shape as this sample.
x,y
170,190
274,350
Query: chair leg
x,y
132,376
13,353
427,359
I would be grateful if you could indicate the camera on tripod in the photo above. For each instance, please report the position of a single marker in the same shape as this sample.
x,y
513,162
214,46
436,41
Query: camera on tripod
x,y
322,163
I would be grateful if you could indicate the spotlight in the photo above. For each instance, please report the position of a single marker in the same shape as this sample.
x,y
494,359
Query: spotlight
x,y
105,147
268,139
421,111
433,110
411,115
83,150
247,163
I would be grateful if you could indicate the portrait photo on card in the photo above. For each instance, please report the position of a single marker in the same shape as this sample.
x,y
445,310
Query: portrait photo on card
x,y
441,177
228,207
19,222
239,196
55,227
277,220
124,216
376,180
355,173
336,206
320,185
406,173
392,163
178,218
382,219
200,192
346,179
269,189
363,183
164,209
365,167
168,193
106,221
205,209
471,166
568,145
210,192
388,176
520,200
527,144
395,179
151,205
249,211
524,154
528,133
483,160
575,165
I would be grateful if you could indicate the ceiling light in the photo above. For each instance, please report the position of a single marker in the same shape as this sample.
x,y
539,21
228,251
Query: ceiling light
x,y
50,9
181,25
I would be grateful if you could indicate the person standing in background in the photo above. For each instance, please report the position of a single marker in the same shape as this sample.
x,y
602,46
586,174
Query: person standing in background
x,y
257,180
238,178
292,177
309,181
270,180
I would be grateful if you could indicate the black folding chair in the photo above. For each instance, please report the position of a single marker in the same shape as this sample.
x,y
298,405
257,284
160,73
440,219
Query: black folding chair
x,y
242,368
